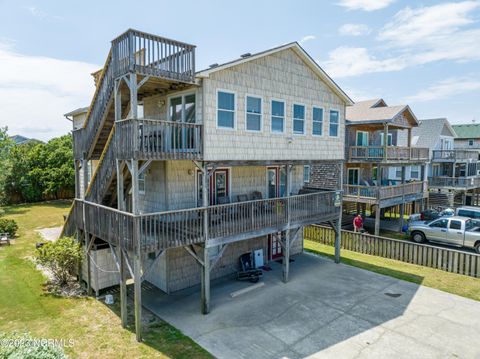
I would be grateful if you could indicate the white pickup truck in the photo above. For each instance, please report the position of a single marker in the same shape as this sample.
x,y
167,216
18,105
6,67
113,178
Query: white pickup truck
x,y
455,231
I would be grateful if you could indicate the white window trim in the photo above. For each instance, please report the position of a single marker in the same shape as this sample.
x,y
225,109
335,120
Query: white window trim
x,y
261,113
234,110
418,170
338,124
284,116
309,173
356,137
323,121
182,94
304,133
348,176
389,135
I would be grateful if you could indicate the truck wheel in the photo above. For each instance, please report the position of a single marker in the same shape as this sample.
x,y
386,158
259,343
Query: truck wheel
x,y
418,237
477,247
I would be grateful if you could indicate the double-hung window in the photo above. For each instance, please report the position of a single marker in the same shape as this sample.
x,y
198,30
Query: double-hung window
x,y
278,116
414,172
317,116
253,119
298,119
334,121
225,109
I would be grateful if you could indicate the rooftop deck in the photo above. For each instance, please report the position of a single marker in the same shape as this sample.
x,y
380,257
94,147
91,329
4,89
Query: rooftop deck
x,y
226,223
391,154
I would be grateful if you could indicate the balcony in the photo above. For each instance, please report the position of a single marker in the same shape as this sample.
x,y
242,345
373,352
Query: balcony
x,y
392,154
145,139
454,155
454,182
226,223
386,194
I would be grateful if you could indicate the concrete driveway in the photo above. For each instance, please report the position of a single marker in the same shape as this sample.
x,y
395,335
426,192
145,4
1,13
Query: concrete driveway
x,y
327,310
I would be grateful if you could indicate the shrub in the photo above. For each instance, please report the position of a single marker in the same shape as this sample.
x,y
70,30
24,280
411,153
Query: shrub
x,y
8,226
62,257
17,345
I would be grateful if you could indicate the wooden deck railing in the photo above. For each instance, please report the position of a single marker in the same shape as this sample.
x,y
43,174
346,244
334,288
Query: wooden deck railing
x,y
383,192
149,54
228,222
446,259
156,139
455,155
393,153
139,52
462,182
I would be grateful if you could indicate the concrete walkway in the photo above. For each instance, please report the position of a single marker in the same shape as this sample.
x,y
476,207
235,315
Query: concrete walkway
x,y
50,234
327,310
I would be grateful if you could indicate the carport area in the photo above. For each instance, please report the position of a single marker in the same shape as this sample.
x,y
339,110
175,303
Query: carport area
x,y
326,310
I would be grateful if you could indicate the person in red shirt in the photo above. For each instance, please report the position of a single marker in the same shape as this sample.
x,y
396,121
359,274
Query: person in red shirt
x,y
357,223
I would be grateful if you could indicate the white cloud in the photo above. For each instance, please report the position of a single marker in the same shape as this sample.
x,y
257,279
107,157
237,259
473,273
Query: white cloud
x,y
351,61
445,89
366,5
36,91
354,29
306,38
415,37
427,24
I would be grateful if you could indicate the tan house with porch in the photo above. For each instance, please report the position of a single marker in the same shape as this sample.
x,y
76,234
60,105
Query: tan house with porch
x,y
190,170
372,147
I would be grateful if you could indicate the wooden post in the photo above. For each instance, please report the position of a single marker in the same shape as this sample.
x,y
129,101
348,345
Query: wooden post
x,y
377,220
137,261
338,234
120,187
123,288
385,141
205,274
286,243
77,179
87,257
402,205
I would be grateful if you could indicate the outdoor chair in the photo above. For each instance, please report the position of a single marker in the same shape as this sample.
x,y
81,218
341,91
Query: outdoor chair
x,y
242,197
4,238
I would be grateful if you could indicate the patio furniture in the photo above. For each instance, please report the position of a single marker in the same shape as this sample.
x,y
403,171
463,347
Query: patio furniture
x,y
242,197
4,238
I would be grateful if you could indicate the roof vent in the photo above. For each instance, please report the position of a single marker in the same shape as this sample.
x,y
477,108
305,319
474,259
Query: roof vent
x,y
245,55
213,65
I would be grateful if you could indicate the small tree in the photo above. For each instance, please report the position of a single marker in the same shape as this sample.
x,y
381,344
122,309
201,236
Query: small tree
x,y
61,257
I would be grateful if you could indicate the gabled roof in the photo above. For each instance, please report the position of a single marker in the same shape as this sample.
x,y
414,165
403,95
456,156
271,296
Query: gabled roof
x,y
376,111
470,130
78,111
295,46
429,131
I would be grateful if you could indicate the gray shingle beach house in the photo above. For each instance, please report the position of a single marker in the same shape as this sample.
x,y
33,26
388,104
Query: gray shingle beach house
x,y
179,172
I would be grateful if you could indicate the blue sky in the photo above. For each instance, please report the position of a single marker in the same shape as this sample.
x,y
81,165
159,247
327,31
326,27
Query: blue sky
x,y
425,54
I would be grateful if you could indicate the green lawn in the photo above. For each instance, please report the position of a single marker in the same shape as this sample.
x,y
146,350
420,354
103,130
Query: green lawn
x,y
468,287
94,327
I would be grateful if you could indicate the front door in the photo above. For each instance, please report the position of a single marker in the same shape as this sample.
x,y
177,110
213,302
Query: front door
x,y
219,186
275,248
276,182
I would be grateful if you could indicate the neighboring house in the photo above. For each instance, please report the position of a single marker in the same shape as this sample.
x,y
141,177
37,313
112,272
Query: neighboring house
x,y
373,150
21,140
193,169
468,135
452,172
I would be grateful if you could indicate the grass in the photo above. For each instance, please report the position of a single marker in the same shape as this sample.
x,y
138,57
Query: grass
x,y
94,327
464,286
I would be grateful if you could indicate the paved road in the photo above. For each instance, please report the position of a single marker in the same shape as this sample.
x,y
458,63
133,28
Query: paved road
x,y
326,310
